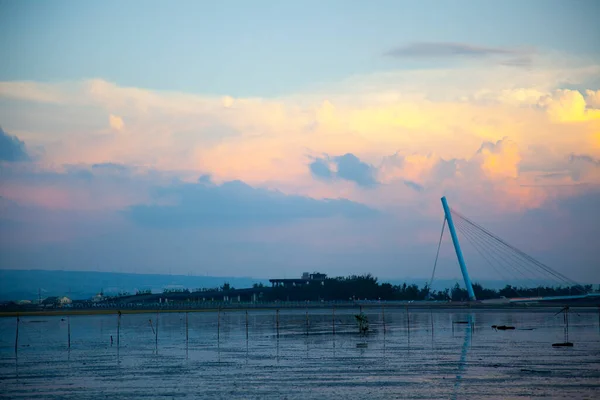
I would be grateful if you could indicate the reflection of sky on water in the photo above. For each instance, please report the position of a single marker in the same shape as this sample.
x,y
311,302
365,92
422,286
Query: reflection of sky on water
x,y
425,356
463,354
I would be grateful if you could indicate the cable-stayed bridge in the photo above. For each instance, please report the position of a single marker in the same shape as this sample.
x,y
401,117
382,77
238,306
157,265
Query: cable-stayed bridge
x,y
505,259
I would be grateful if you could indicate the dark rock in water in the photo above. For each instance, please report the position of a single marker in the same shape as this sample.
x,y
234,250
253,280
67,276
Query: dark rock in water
x,y
503,327
461,322
565,344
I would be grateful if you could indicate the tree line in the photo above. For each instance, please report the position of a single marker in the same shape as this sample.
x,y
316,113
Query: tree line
x,y
367,287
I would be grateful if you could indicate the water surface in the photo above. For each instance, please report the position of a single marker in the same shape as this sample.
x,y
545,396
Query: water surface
x,y
422,354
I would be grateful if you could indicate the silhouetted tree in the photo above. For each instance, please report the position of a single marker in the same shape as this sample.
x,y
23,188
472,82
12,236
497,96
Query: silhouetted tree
x,y
459,294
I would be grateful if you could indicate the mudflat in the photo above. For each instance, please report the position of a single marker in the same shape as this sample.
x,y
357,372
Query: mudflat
x,y
302,354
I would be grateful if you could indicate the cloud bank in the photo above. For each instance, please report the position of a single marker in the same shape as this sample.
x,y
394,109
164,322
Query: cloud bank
x,y
347,167
309,171
11,148
446,49
236,203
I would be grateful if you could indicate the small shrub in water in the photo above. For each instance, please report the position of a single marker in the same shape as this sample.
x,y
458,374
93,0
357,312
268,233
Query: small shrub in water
x,y
363,323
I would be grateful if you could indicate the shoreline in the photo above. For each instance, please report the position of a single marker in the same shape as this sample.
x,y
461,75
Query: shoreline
x,y
587,308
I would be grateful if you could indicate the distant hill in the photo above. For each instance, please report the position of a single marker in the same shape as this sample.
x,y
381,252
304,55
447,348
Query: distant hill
x,y
24,284
441,284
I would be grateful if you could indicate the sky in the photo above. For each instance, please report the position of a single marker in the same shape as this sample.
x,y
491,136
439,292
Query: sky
x,y
269,138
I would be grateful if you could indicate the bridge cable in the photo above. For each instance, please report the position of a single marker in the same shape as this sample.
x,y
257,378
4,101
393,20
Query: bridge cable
x,y
503,254
521,254
494,254
536,267
479,247
528,265
437,254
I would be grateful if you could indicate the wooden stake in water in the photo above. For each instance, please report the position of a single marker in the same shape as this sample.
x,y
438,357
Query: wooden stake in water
x,y
219,324
69,327
118,328
307,323
17,335
566,324
383,316
156,336
246,326
431,313
186,329
277,321
333,319
407,320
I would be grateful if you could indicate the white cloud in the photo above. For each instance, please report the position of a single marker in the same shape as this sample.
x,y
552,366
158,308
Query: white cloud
x,y
33,91
116,122
592,98
569,106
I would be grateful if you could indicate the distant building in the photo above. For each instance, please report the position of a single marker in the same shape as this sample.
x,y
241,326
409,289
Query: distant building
x,y
99,297
304,280
50,301
55,301
318,276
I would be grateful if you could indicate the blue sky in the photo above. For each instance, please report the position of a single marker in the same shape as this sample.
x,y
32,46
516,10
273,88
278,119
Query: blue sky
x,y
268,138
266,48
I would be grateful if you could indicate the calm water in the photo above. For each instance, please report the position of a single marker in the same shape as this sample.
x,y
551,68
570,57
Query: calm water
x,y
426,355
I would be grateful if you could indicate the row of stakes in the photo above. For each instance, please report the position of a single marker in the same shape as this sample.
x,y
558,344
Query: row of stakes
x,y
154,327
155,331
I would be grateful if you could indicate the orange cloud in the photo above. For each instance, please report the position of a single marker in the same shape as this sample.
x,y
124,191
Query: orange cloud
x,y
434,121
115,122
500,160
